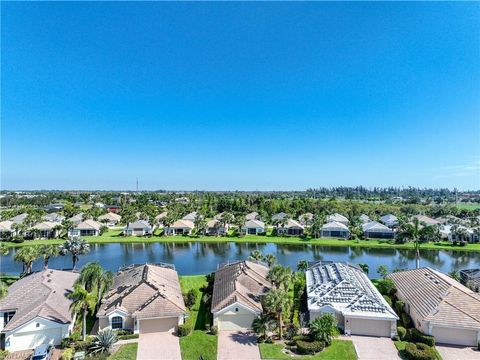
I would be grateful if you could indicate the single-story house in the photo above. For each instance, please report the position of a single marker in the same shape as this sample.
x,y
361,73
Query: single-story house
x,y
110,218
53,217
252,216
471,278
439,306
389,220
19,218
338,218
253,227
461,233
180,227
36,310
375,230
364,218
6,231
160,217
53,207
76,219
344,291
215,227
144,298
88,227
336,230
425,220
292,227
191,217
47,230
237,292
280,216
112,208
138,228
306,219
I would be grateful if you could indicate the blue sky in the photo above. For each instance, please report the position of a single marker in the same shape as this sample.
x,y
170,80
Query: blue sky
x,y
226,96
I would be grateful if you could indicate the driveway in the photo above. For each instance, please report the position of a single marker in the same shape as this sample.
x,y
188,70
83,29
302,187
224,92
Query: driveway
x,y
237,345
449,352
374,348
156,346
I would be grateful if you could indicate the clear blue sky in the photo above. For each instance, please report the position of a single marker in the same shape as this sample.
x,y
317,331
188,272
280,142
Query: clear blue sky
x,y
240,96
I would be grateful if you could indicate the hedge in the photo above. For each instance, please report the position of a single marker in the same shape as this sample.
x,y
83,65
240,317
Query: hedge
x,y
127,337
401,331
419,352
184,330
309,347
418,337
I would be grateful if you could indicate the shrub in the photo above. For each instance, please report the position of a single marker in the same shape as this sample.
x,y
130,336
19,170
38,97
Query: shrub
x,y
401,331
399,306
290,332
418,337
67,354
263,233
302,338
309,347
3,354
190,298
122,332
103,342
214,330
386,287
387,299
128,337
83,345
268,340
419,352
406,320
395,338
261,339
184,330
323,328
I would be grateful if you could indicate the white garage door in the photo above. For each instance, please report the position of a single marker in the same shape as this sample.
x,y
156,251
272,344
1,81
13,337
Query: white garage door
x,y
30,340
158,325
370,327
454,336
235,322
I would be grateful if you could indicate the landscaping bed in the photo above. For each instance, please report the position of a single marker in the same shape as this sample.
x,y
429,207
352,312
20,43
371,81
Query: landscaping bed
x,y
338,350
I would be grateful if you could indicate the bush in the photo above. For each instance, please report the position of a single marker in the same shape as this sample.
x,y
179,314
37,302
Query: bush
x,y
3,354
290,332
399,306
388,299
184,330
214,330
268,340
401,331
418,337
386,287
301,338
309,347
264,233
190,298
128,337
67,354
83,345
124,332
261,339
419,352
406,320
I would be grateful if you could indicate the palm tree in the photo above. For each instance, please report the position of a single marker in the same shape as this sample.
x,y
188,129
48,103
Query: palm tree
x,y
76,247
276,301
412,231
200,225
47,252
103,341
95,279
4,250
227,218
270,259
280,276
27,255
66,225
263,324
84,302
323,328
255,255
128,217
364,267
302,265
239,222
316,227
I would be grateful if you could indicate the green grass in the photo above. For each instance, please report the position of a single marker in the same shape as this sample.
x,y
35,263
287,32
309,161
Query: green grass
x,y
198,343
339,350
468,206
8,279
126,352
113,236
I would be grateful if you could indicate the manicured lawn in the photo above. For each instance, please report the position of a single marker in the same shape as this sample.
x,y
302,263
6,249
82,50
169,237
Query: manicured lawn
x,y
339,350
468,206
198,343
126,352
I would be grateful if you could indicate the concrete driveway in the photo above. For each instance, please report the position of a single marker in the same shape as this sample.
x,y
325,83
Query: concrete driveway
x,y
161,345
374,348
237,345
449,352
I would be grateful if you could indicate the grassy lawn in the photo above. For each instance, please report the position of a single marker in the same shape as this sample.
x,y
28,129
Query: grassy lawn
x,y
198,343
113,236
126,352
339,350
468,206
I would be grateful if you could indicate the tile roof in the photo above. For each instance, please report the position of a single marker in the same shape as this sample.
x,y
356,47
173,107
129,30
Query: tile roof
x,y
241,282
334,225
40,294
46,225
88,225
292,224
254,224
252,216
427,220
19,218
139,224
279,216
438,298
337,217
110,216
191,216
145,291
6,225
53,217
183,224
374,226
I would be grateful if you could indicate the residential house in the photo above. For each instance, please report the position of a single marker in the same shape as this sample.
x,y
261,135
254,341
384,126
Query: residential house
x,y
237,292
344,291
456,233
46,230
110,219
216,227
306,219
113,208
439,306
335,229
425,220
364,218
36,310
191,217
144,298
53,207
338,218
76,219
88,227
19,219
253,227
180,227
138,228
252,216
389,220
279,217
375,230
292,227
159,218
471,279
6,231
53,217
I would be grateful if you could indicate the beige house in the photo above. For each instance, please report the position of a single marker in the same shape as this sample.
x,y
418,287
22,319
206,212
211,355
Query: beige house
x,y
144,299
237,292
346,292
138,228
292,227
47,230
88,227
440,306
253,227
335,229
6,231
422,219
216,227
110,219
180,227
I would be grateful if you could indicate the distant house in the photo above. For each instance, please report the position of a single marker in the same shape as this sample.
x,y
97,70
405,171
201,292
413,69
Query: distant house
x,y
339,218
36,310
292,227
344,291
138,228
306,219
113,208
76,219
180,227
6,231
110,219
53,207
364,218
425,220
279,217
215,227
160,217
219,216
461,233
53,217
439,306
237,293
375,230
471,279
253,227
191,217
144,299
252,216
19,218
85,228
336,230
182,200
389,220
46,230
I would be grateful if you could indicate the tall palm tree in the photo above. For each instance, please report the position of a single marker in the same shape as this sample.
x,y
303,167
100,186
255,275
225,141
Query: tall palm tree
x,y
280,276
239,222
270,259
302,265
255,255
227,219
412,231
95,279
263,324
276,301
27,255
66,225
75,247
84,302
200,225
47,252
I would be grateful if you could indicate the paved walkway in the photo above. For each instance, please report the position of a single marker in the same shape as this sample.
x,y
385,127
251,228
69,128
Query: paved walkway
x,y
374,348
237,345
158,346
457,352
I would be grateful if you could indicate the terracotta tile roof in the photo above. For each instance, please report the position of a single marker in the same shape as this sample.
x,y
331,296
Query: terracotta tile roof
x,y
438,298
182,224
89,224
241,282
40,294
110,216
144,291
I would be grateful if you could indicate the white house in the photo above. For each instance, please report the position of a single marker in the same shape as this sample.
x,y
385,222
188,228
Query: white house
x,y
375,230
461,233
336,230
292,227
364,218
389,220
253,227
339,218
346,292
88,227
138,228
110,219
76,219
180,227
36,310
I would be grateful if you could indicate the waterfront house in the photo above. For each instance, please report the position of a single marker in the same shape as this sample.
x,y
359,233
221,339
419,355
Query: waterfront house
x,y
252,216
138,228
46,230
215,227
191,217
110,219
6,231
180,227
253,227
335,230
159,218
292,227
88,227
375,230
112,208
19,219
425,220
389,220
76,219
458,233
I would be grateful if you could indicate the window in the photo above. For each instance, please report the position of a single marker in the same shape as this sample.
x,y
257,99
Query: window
x,y
117,322
7,317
